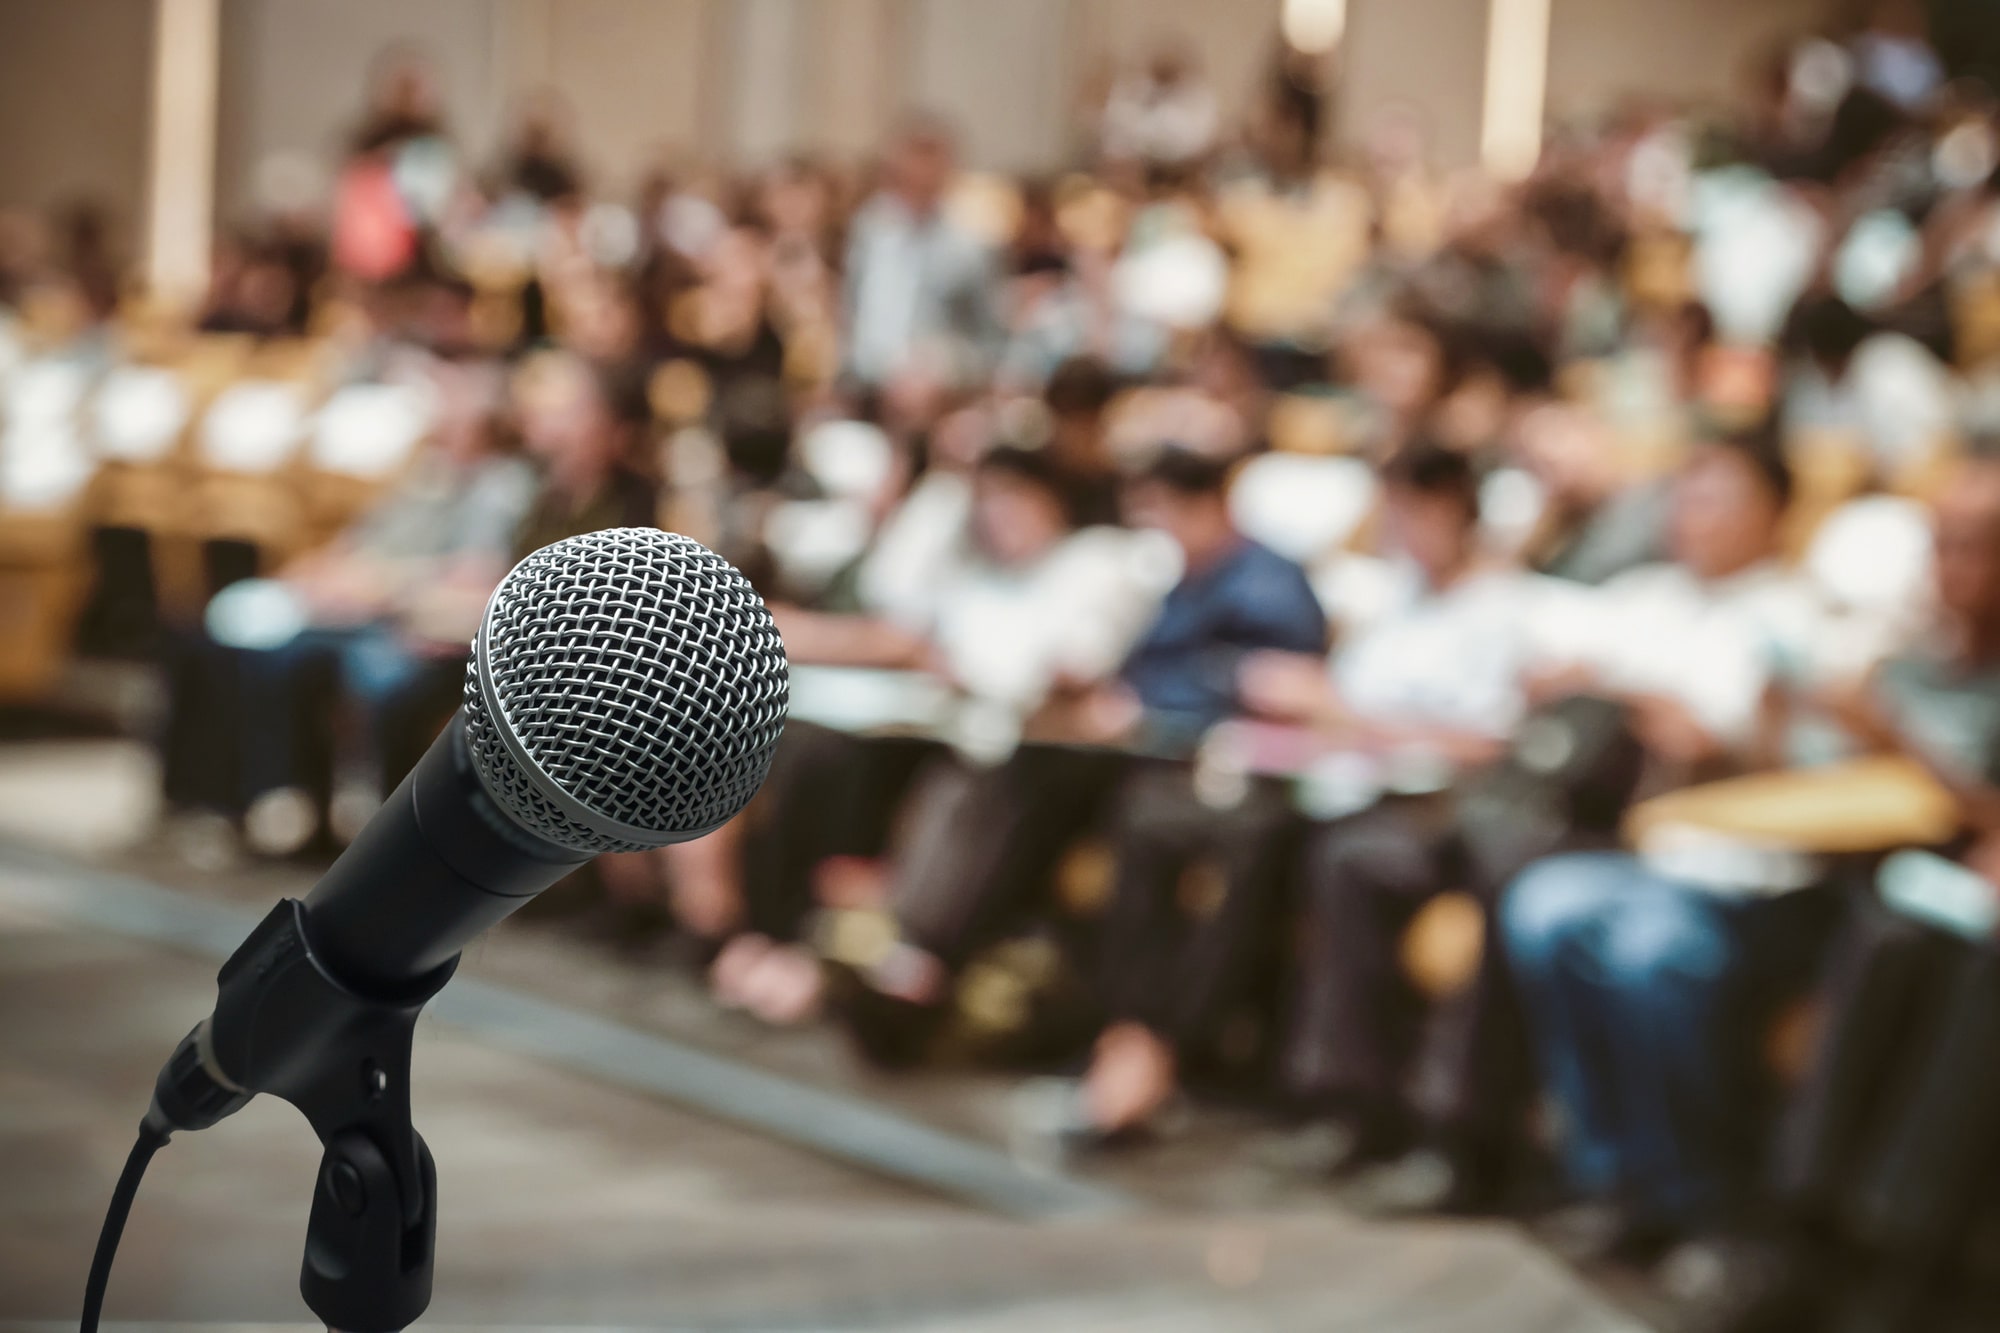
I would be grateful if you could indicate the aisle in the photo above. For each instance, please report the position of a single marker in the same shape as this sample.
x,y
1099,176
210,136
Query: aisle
x,y
573,1203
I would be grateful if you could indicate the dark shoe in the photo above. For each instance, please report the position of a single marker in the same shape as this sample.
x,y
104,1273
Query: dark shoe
x,y
1422,1182
1600,1232
1741,1285
889,1032
1332,1148
1049,1125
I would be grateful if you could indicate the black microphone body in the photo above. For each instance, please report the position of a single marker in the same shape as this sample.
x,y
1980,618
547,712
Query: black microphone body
x,y
318,1005
438,864
626,690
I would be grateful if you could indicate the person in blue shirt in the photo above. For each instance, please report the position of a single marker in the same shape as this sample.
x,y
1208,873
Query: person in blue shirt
x,y
981,842
1235,596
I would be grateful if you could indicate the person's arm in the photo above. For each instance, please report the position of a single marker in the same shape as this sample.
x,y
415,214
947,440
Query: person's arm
x,y
838,640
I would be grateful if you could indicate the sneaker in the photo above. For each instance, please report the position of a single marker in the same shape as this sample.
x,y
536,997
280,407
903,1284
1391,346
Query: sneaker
x,y
354,803
1601,1231
280,822
1331,1149
1738,1285
206,841
1421,1181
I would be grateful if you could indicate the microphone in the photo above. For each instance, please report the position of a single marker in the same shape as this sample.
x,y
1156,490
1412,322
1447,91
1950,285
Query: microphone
x,y
626,690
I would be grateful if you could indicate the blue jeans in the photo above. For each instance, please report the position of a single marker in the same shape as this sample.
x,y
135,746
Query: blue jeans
x,y
1626,977
373,672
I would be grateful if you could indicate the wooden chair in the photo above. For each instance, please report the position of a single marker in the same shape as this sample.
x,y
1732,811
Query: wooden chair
x,y
361,439
1300,506
1311,424
43,576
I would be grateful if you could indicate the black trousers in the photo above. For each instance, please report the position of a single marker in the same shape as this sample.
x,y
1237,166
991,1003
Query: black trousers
x,y
1892,1142
1362,1038
978,844
828,794
1196,895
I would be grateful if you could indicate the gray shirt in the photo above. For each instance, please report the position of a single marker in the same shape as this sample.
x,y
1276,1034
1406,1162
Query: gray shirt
x,y
919,289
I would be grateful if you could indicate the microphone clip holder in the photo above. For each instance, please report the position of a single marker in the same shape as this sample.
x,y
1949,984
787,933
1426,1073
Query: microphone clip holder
x,y
284,1025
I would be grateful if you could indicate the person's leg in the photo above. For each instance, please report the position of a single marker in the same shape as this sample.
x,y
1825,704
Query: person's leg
x,y
1874,996
1355,1016
1937,1159
800,817
977,843
1546,918
1157,832
1228,930
379,677
198,742
1660,965
267,684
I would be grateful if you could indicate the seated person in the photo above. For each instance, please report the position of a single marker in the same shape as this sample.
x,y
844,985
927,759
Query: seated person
x,y
382,605
1022,603
1436,681
1596,523
982,840
1880,1165
1626,965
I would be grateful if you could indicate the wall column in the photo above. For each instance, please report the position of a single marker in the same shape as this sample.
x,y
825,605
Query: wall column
x,y
180,195
1517,68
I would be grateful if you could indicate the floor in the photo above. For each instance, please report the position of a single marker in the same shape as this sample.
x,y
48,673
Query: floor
x,y
591,1195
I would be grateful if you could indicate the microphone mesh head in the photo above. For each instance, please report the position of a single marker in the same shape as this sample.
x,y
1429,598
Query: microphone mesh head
x,y
627,690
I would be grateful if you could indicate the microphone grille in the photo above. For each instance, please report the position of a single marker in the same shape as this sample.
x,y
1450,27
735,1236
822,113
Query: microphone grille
x,y
627,690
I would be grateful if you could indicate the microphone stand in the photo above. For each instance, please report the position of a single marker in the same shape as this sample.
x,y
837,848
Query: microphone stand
x,y
282,1025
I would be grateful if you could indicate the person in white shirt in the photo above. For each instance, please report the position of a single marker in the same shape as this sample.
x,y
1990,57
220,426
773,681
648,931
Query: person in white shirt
x,y
1013,600
922,299
1621,966
1439,678
1164,114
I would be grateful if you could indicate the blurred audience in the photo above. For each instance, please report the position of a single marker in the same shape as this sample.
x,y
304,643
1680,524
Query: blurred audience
x,y
1308,605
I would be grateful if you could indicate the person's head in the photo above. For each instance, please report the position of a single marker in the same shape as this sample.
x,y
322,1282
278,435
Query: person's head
x,y
1904,19
921,162
578,421
1077,394
1019,508
543,124
473,421
1430,507
1966,534
1729,501
1172,64
266,291
1829,331
1185,495
1399,361
403,85
1564,447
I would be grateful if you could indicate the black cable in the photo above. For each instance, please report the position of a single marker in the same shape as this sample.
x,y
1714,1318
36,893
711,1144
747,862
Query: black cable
x,y
153,1136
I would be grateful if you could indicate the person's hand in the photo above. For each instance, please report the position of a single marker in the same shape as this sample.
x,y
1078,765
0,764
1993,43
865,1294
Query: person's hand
x,y
1983,858
341,591
1851,706
1289,686
1669,729
1549,684
1107,714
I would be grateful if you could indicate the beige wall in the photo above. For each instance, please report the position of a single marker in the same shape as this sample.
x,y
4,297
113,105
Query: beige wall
x,y
1425,54
632,70
74,80
1235,39
852,84
295,75
765,76
1600,50
1000,72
